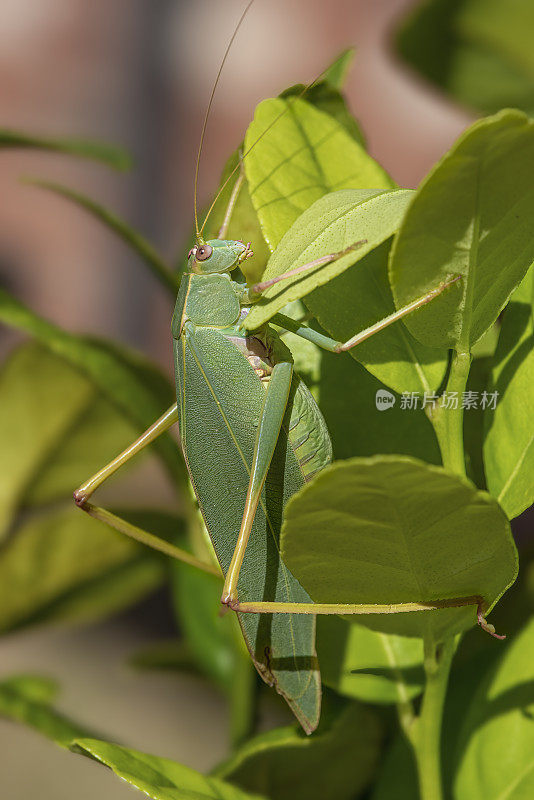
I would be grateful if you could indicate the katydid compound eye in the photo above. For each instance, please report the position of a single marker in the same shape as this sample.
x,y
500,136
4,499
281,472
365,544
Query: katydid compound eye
x,y
204,252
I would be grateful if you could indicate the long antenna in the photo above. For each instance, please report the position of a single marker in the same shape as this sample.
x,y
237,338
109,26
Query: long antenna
x,y
206,116
290,102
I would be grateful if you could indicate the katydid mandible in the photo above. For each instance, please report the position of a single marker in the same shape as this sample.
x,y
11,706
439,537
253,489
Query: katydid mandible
x,y
251,436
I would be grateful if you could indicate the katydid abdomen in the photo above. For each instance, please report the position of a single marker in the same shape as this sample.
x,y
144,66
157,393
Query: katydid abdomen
x,y
221,381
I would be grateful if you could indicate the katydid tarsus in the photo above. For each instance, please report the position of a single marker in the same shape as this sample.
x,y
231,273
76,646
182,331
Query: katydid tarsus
x,y
252,435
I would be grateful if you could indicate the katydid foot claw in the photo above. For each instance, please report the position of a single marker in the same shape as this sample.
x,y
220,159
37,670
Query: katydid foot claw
x,y
229,602
80,498
486,626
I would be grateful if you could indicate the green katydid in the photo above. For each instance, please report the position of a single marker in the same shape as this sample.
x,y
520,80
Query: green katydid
x,y
251,435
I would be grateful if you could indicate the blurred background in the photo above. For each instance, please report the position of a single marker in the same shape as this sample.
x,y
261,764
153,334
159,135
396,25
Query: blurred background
x,y
139,73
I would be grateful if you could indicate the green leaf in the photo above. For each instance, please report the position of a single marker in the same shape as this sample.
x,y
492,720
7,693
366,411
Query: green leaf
x,y
332,224
478,51
338,382
336,763
159,778
47,413
27,699
61,565
478,382
395,530
329,100
509,443
305,155
32,687
398,775
337,72
140,246
345,384
326,95
487,344
368,665
497,739
66,566
358,298
97,151
134,386
471,216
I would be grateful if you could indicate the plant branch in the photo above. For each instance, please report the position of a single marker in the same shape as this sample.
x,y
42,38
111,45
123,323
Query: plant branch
x,y
448,418
425,734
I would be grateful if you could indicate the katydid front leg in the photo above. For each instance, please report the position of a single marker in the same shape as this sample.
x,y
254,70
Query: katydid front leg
x,y
84,492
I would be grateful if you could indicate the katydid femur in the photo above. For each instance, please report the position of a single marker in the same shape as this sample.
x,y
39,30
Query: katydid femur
x,y
251,436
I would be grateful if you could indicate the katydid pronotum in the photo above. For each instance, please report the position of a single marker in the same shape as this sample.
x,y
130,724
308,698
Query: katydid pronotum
x,y
251,436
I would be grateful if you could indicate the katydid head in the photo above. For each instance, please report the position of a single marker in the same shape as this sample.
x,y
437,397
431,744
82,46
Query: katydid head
x,y
217,255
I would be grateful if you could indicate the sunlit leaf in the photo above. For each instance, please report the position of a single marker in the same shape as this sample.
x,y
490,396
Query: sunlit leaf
x,y
395,530
336,73
326,94
305,155
497,738
244,224
471,216
361,217
368,665
509,443
28,698
159,778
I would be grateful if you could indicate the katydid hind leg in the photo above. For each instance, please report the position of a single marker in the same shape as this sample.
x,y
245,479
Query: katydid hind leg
x,y
334,346
160,426
346,609
148,539
84,492
274,407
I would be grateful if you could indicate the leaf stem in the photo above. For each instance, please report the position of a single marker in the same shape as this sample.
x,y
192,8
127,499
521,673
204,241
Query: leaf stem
x,y
425,735
448,417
